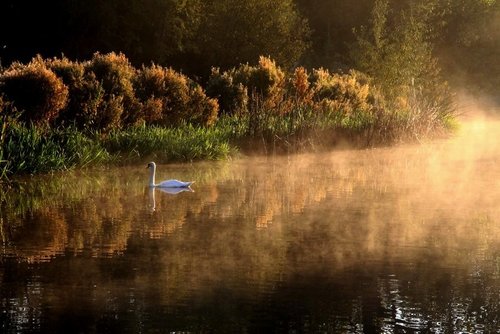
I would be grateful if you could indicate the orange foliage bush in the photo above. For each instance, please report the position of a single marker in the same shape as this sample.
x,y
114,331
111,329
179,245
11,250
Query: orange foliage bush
x,y
343,93
34,90
85,94
232,96
264,82
300,88
115,73
236,89
169,97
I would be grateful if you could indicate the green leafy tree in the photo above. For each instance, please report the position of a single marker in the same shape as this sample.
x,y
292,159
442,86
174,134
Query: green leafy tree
x,y
397,51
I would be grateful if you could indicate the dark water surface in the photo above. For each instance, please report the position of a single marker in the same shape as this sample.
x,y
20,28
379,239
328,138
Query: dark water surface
x,y
392,240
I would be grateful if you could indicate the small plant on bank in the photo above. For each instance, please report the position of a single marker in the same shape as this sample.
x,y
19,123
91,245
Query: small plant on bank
x,y
8,116
299,87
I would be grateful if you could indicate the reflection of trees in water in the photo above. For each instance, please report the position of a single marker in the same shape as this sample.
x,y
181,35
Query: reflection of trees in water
x,y
298,230
366,203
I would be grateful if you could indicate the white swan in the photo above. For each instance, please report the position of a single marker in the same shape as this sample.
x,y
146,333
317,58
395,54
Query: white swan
x,y
167,183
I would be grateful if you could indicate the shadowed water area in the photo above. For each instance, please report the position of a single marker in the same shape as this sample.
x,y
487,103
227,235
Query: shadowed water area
x,y
390,240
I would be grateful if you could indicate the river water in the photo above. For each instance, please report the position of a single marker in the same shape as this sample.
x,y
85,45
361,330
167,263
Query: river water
x,y
387,240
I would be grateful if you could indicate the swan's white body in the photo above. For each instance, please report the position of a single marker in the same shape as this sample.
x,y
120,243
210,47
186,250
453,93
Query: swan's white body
x,y
167,183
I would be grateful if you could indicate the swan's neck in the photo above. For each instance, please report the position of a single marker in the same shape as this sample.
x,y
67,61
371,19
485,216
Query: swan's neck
x,y
152,173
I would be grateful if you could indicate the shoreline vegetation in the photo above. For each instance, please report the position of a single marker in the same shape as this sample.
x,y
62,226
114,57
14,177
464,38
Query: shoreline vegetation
x,y
170,83
58,114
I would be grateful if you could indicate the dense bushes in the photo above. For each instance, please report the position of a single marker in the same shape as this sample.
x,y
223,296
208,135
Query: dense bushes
x,y
85,95
107,93
104,93
35,90
170,98
346,94
238,86
115,73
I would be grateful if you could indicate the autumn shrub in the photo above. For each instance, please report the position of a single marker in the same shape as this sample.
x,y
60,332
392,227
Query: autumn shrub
x,y
169,90
171,98
232,96
115,73
299,87
242,86
343,93
85,94
264,81
152,110
34,90
202,109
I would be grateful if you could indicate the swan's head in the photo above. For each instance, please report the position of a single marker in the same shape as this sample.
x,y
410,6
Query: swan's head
x,y
151,165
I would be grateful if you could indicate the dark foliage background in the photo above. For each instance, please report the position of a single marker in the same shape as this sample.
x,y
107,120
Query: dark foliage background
x,y
193,35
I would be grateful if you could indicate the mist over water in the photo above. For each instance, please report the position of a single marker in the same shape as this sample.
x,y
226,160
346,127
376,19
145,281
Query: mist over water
x,y
400,239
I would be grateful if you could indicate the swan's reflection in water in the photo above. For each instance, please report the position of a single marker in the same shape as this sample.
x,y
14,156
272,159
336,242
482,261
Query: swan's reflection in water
x,y
170,191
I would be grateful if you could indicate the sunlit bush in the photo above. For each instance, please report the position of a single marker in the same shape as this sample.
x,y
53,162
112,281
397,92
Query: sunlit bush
x,y
115,73
232,96
202,109
179,98
34,90
246,85
152,110
264,81
85,94
169,89
299,87
343,93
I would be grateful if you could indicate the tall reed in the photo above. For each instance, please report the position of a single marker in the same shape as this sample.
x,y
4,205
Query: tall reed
x,y
30,149
181,144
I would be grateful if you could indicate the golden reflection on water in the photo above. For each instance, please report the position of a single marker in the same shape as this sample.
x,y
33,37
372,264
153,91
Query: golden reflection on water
x,y
266,221
438,194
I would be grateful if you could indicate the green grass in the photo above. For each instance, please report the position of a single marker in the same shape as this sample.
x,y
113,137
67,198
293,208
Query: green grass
x,y
180,144
31,149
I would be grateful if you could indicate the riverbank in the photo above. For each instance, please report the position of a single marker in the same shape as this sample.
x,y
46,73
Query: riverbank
x,y
32,149
58,114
